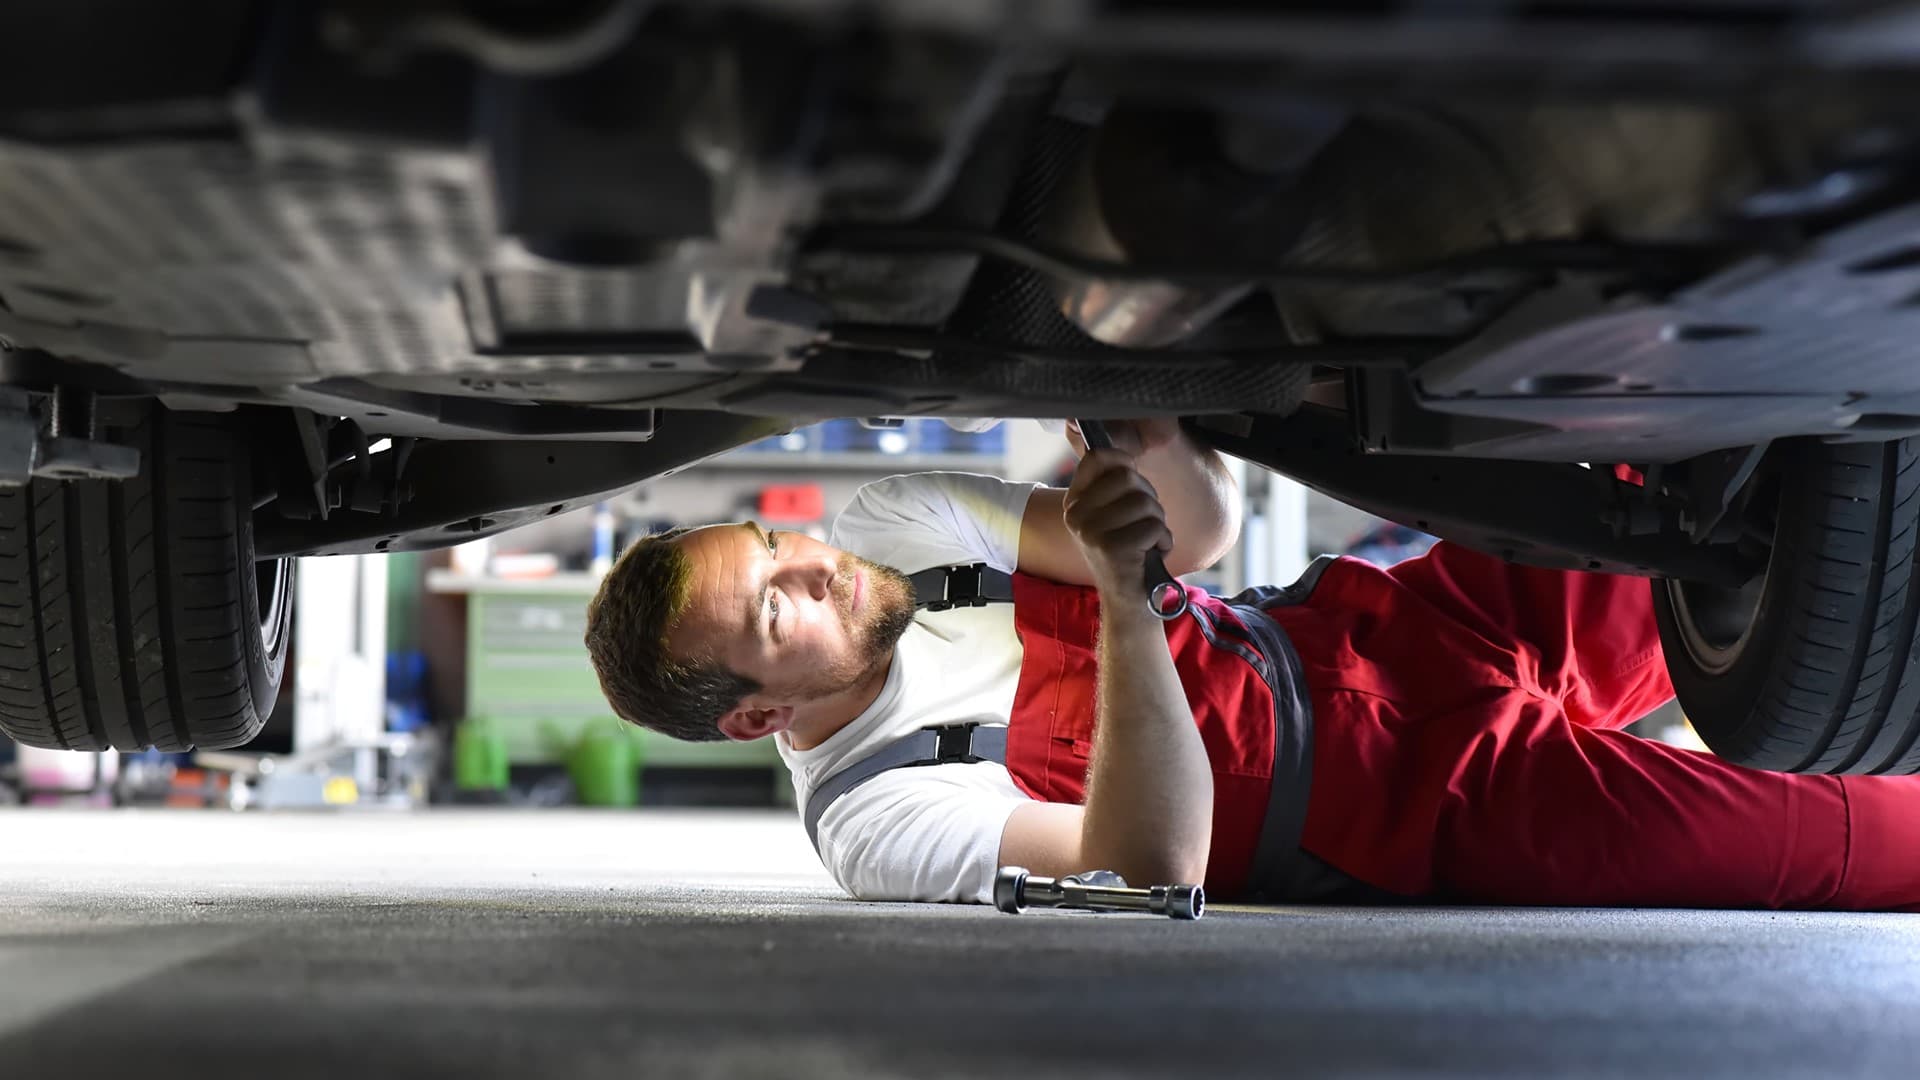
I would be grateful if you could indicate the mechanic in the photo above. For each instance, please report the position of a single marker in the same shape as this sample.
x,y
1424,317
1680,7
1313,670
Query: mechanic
x,y
1445,730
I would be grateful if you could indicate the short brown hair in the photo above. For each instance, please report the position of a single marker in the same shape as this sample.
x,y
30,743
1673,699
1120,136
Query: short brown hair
x,y
628,620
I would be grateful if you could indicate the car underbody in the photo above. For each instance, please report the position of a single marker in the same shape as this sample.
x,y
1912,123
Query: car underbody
x,y
449,267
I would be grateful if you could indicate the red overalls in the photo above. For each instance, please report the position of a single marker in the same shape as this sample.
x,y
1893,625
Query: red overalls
x,y
1462,744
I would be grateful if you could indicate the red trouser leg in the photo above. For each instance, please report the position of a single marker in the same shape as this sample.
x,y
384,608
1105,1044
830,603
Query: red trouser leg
x,y
1493,775
1541,811
1588,640
1505,801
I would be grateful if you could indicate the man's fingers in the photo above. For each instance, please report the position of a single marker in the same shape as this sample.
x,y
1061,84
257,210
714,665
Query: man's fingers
x,y
1106,492
1123,507
1139,537
1109,491
1111,525
1103,474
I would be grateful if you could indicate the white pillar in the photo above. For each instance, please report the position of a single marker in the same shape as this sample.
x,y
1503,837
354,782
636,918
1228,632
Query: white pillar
x,y
340,650
1233,565
1286,532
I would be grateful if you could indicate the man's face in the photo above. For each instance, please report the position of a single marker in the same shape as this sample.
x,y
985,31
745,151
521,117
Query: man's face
x,y
804,620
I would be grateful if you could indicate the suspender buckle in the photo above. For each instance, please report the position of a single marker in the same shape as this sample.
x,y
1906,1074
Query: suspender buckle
x,y
953,743
962,588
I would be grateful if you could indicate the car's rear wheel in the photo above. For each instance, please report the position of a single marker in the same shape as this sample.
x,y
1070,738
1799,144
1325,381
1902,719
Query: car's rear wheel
x,y
133,613
1812,667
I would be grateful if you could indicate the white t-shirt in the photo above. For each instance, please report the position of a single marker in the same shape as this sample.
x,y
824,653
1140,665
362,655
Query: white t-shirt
x,y
933,832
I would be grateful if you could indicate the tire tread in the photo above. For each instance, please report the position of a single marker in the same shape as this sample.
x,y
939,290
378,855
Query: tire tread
x,y
125,607
1834,684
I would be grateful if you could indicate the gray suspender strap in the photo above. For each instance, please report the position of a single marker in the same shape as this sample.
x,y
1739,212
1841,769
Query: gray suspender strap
x,y
938,589
951,744
946,587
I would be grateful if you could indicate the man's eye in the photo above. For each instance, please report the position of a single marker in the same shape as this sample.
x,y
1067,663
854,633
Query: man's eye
x,y
773,543
773,608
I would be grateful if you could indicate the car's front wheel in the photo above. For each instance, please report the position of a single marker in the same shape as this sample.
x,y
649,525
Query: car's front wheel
x,y
1812,667
133,613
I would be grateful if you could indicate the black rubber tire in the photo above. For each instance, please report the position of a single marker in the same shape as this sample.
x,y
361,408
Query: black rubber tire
x,y
130,610
1825,677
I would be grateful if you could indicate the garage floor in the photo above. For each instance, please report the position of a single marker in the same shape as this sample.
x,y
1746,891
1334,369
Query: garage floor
x,y
557,944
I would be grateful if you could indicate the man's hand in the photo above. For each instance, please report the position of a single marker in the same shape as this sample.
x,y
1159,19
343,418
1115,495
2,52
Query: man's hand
x,y
1116,518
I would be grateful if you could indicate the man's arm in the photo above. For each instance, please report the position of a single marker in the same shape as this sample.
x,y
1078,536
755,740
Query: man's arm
x,y
1149,808
1201,501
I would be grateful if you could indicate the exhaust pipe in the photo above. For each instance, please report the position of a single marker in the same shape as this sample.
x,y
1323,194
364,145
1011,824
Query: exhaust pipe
x,y
1179,188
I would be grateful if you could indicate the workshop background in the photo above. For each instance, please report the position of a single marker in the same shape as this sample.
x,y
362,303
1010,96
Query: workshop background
x,y
458,676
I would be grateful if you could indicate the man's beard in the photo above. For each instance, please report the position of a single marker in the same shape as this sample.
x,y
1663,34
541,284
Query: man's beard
x,y
873,632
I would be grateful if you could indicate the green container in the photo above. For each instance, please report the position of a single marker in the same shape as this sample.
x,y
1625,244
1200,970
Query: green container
x,y
604,763
479,756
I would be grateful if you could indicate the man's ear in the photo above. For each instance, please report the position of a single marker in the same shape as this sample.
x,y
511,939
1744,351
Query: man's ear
x,y
746,724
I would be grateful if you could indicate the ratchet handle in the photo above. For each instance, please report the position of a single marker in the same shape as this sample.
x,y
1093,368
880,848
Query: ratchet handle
x,y
1166,597
1015,890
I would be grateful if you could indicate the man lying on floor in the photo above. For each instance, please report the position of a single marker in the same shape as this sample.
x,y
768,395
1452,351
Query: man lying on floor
x,y
1445,730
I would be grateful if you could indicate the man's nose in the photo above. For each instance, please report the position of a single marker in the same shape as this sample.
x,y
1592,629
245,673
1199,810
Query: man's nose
x,y
816,572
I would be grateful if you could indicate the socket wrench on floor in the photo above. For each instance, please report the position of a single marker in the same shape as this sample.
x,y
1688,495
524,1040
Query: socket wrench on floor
x,y
1015,890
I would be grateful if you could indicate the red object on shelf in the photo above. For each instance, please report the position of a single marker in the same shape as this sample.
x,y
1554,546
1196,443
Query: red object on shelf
x,y
793,502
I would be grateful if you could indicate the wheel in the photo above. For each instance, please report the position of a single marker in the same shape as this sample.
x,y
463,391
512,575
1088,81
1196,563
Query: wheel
x,y
132,613
1811,667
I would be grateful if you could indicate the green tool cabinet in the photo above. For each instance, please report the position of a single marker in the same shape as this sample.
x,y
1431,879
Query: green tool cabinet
x,y
527,671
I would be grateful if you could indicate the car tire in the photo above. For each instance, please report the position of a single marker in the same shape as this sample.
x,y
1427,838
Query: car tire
x,y
1813,667
133,613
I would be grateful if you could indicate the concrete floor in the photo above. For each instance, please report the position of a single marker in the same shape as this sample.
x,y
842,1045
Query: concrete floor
x,y
564,944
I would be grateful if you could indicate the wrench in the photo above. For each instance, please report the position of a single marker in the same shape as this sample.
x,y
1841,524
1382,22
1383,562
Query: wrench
x,y
1166,598
1015,890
